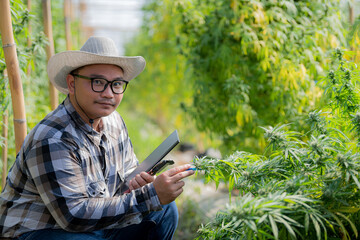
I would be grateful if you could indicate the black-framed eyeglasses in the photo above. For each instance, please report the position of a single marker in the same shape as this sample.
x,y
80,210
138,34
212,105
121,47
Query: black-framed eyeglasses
x,y
100,84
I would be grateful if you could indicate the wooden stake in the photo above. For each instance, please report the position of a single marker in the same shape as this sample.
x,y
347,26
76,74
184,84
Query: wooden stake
x,y
50,50
4,154
351,12
12,65
351,21
67,20
28,70
4,134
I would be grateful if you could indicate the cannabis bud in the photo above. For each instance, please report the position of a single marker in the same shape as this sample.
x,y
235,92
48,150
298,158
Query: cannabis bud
x,y
338,54
332,76
347,74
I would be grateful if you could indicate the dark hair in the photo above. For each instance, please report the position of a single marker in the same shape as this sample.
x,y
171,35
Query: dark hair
x,y
76,71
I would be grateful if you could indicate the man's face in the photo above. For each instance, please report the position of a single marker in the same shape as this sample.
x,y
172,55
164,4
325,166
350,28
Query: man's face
x,y
94,104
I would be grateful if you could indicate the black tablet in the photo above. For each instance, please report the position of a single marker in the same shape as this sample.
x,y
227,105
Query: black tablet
x,y
159,153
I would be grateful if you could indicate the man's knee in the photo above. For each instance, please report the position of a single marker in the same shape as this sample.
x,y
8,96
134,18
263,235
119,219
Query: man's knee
x,y
171,212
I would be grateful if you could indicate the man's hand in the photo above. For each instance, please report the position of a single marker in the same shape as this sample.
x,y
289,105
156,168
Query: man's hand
x,y
140,180
168,185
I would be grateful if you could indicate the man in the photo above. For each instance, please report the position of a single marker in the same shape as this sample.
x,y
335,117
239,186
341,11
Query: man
x,y
68,179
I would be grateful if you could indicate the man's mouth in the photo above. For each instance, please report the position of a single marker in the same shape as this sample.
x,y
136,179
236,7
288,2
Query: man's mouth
x,y
105,103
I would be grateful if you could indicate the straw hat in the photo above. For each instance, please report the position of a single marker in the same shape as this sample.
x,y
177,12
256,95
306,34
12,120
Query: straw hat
x,y
96,50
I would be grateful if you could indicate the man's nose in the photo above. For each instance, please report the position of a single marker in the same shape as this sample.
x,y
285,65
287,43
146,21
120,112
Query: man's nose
x,y
107,92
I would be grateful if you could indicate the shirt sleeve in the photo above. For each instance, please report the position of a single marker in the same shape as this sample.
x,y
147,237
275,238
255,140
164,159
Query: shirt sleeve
x,y
60,181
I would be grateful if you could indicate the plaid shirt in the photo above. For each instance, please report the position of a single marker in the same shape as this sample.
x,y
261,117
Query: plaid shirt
x,y
69,176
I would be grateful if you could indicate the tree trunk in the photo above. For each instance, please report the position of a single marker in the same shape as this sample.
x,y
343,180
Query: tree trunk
x,y
50,50
12,65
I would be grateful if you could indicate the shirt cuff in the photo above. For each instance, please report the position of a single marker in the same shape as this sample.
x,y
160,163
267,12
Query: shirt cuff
x,y
147,199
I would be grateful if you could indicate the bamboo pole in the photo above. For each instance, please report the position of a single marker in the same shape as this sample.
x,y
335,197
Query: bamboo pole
x,y
4,154
12,64
351,21
351,12
50,50
4,134
67,20
28,70
82,29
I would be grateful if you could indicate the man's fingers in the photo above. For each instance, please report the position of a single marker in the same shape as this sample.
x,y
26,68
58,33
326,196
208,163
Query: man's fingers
x,y
139,179
147,177
173,171
169,185
130,186
135,184
179,185
181,175
178,192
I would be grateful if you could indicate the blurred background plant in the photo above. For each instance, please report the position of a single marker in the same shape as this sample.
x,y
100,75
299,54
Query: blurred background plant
x,y
236,65
257,63
304,186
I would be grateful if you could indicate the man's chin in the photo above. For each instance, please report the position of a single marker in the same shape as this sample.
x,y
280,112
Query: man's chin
x,y
106,112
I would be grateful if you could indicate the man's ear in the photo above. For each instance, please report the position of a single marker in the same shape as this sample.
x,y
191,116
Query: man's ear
x,y
70,80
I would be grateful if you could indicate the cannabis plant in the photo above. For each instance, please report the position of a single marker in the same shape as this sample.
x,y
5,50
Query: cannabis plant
x,y
304,186
255,62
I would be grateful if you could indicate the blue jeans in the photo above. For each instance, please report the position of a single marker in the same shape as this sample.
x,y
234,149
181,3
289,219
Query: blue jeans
x,y
156,225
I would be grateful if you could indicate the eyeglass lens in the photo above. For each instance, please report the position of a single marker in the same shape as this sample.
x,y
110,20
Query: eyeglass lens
x,y
99,85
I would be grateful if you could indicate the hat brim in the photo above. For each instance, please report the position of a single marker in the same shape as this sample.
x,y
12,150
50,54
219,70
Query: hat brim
x,y
61,64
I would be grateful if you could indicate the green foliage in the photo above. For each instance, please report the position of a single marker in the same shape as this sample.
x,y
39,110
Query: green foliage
x,y
4,101
158,92
305,186
353,38
4,95
163,84
254,62
191,218
276,216
20,18
32,63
